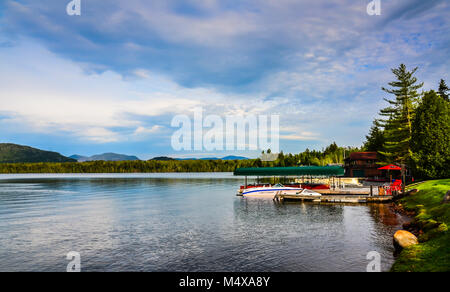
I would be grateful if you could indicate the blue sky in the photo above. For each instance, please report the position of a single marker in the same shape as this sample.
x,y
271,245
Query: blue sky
x,y
112,79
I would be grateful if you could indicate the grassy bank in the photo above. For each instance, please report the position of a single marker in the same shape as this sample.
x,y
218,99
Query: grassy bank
x,y
431,220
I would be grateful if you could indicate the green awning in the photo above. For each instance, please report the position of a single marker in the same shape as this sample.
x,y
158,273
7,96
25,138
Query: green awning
x,y
294,171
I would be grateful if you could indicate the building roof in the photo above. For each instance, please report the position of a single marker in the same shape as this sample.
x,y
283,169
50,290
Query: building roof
x,y
294,171
363,156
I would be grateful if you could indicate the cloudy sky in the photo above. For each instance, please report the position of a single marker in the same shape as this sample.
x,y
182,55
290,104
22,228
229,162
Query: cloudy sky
x,y
112,79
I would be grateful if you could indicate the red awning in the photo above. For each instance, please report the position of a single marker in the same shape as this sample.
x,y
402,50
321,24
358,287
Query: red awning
x,y
391,167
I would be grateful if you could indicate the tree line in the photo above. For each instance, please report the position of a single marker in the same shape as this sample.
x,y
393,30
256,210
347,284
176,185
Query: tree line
x,y
330,155
413,131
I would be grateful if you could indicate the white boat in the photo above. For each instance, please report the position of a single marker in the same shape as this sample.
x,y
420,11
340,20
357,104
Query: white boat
x,y
271,191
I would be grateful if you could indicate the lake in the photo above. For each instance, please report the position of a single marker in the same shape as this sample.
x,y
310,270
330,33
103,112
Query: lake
x,y
180,222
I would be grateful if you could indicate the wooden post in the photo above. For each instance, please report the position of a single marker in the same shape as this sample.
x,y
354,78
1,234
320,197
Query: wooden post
x,y
371,190
245,182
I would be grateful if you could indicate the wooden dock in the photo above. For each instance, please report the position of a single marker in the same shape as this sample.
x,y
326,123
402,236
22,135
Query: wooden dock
x,y
338,192
333,198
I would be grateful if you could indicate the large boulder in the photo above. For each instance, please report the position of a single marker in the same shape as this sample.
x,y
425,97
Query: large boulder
x,y
446,198
403,239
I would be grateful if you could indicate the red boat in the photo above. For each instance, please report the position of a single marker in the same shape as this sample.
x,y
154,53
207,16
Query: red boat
x,y
307,186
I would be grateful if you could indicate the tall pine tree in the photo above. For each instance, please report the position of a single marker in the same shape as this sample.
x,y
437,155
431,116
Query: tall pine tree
x,y
398,116
443,90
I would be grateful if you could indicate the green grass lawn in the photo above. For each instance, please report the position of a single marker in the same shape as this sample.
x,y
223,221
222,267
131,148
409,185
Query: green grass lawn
x,y
433,218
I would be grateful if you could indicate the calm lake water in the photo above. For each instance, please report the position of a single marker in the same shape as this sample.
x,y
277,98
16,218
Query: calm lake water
x,y
179,222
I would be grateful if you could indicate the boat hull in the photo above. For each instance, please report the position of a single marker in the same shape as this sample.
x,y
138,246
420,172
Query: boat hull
x,y
269,192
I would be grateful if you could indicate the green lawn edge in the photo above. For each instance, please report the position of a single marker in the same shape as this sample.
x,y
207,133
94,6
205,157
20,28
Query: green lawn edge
x,y
432,217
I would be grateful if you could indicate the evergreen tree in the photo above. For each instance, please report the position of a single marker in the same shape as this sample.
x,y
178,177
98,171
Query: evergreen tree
x,y
431,137
443,90
280,159
399,115
331,149
375,140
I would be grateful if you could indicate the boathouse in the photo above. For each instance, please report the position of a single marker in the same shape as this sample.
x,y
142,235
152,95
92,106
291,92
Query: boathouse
x,y
362,164
294,171
335,190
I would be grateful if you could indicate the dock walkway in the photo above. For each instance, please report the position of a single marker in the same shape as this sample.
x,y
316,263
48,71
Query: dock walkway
x,y
334,198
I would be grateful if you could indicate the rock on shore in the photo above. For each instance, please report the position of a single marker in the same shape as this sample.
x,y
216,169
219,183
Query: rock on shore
x,y
446,198
403,238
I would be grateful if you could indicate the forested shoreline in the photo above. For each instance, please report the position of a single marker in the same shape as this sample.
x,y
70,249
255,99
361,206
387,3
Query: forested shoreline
x,y
330,155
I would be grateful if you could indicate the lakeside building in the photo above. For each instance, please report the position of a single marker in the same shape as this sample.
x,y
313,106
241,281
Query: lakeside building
x,y
362,164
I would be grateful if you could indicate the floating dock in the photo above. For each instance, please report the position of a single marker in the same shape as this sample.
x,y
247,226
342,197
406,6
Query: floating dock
x,y
333,198
336,194
354,196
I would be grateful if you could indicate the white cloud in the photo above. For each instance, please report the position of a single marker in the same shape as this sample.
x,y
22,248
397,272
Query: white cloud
x,y
322,65
44,93
144,131
100,108
100,135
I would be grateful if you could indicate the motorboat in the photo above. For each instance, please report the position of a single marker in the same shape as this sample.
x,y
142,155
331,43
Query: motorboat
x,y
269,191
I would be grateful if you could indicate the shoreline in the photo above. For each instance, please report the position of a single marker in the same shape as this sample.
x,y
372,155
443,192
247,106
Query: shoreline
x,y
429,223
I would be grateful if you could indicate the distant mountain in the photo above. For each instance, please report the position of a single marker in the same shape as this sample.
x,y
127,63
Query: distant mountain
x,y
12,153
105,157
162,158
231,157
78,157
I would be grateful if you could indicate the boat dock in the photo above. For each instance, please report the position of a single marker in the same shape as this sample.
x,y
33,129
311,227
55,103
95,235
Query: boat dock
x,y
333,198
337,192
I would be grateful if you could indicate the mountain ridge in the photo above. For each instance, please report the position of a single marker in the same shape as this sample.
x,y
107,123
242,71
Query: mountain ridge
x,y
15,153
108,156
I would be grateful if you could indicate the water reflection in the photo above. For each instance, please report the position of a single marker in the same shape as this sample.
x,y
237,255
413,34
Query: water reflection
x,y
180,224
